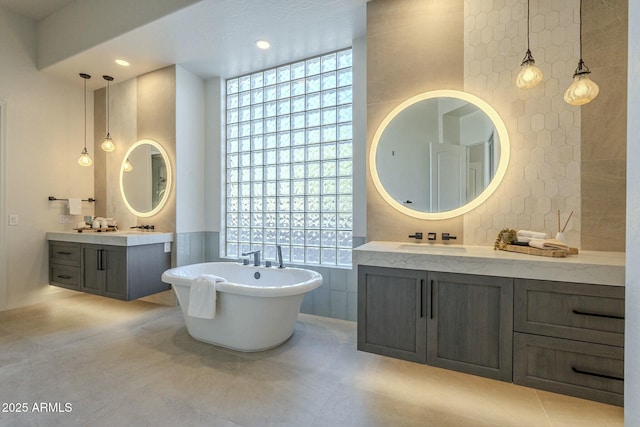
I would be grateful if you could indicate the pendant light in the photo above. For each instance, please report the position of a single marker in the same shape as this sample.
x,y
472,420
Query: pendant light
x,y
530,75
127,166
582,90
85,159
107,144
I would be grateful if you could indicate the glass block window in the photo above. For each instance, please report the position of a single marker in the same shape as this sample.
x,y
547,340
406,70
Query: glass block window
x,y
289,177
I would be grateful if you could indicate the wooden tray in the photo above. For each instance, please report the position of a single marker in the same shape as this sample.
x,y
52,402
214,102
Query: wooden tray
x,y
554,253
95,230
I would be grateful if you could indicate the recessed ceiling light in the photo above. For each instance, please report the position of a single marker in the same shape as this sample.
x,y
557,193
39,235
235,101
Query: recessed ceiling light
x,y
122,62
263,44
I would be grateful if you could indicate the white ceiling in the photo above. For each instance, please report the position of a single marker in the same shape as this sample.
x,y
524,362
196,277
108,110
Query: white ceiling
x,y
213,37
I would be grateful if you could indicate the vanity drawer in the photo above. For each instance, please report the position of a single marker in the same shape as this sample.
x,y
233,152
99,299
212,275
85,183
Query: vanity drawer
x,y
65,253
68,277
577,311
586,370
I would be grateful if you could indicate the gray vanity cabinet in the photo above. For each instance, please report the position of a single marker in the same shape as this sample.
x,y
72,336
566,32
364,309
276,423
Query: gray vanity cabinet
x,y
105,270
122,272
470,324
392,312
569,338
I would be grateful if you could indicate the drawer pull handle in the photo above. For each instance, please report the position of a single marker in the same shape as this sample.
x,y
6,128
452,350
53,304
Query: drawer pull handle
x,y
431,299
607,316
595,374
64,253
65,276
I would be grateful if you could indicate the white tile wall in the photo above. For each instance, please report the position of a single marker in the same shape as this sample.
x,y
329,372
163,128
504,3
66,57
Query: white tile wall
x,y
544,170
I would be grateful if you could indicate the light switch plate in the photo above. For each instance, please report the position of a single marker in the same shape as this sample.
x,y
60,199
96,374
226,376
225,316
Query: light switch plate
x,y
167,247
14,219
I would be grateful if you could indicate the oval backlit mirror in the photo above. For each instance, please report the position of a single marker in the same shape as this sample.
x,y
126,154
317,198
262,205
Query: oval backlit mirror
x,y
145,178
439,154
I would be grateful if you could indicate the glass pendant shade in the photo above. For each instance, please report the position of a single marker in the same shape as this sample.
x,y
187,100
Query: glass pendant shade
x,y
85,159
127,167
107,144
582,90
529,76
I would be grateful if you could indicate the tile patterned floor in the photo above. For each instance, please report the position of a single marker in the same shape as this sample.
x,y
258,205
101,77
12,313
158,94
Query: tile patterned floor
x,y
134,364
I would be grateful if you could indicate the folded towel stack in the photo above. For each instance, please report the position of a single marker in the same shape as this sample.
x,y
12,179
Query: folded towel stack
x,y
202,296
549,244
525,236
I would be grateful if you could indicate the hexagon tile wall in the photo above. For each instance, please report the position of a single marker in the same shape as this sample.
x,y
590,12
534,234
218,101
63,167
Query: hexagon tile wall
x,y
544,170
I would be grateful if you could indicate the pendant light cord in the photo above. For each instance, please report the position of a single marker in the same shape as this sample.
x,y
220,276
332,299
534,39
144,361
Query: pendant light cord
x,y
528,13
582,69
85,114
107,107
580,38
109,79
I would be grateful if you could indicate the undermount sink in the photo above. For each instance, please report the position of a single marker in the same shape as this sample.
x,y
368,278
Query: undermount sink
x,y
431,247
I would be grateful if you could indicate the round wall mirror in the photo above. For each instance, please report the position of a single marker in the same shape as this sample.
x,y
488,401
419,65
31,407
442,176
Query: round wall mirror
x,y
439,154
145,178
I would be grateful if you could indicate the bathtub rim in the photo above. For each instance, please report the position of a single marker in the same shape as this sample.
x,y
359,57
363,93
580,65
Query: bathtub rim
x,y
178,276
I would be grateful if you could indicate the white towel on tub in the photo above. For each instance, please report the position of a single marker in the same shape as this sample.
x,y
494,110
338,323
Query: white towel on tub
x,y
202,296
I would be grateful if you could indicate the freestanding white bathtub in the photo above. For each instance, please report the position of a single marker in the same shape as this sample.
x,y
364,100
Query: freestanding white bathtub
x,y
256,309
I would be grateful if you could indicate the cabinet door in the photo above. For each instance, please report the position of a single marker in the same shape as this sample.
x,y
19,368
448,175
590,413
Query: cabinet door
x,y
145,265
114,268
104,270
392,312
92,277
470,324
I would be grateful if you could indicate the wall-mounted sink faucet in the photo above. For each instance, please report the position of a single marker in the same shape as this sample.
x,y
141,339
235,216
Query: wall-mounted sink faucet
x,y
417,236
432,236
144,227
447,236
256,257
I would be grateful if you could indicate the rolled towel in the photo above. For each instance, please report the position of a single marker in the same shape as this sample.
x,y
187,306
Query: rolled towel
x,y
525,236
549,244
202,296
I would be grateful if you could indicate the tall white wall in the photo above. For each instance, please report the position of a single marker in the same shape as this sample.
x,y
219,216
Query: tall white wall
x,y
632,291
44,136
190,152
360,155
214,98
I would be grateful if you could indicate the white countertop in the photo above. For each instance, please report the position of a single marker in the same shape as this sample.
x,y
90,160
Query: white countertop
x,y
115,238
605,268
